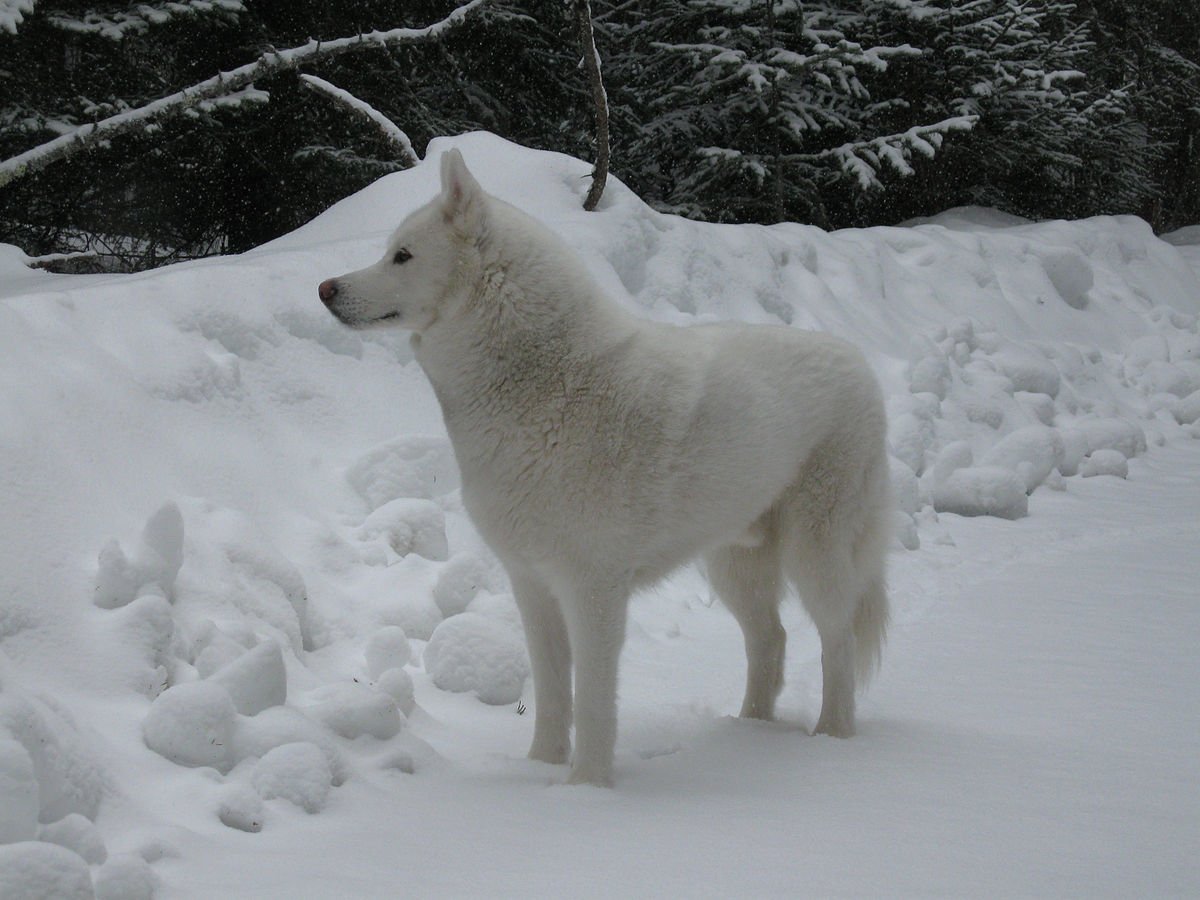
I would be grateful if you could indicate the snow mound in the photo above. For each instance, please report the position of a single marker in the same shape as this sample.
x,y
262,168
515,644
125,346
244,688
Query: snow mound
x,y
69,779
297,773
1032,453
32,870
1105,462
154,564
76,834
982,491
1112,434
255,680
417,466
398,685
408,526
464,576
18,794
242,808
192,725
472,652
354,709
279,725
125,877
1187,410
387,648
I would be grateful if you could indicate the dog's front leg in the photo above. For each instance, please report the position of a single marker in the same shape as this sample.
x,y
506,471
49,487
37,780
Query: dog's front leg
x,y
596,622
550,659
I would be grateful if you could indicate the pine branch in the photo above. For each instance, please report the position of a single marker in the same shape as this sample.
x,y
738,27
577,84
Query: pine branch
x,y
119,25
32,161
864,159
392,133
13,12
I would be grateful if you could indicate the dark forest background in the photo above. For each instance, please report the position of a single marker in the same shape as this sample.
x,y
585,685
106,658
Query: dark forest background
x,y
838,113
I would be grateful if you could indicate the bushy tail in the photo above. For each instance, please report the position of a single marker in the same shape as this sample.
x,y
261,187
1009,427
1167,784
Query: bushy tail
x,y
872,616
870,631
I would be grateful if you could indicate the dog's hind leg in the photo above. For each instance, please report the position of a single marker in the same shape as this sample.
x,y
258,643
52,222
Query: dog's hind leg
x,y
841,582
749,582
550,659
825,581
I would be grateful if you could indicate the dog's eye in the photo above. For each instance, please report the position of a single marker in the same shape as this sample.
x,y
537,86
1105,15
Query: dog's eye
x,y
402,256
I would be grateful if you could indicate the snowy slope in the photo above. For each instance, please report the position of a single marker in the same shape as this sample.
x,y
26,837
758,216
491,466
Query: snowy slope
x,y
209,486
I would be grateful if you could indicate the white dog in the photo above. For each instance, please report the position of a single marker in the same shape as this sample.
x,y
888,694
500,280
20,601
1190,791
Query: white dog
x,y
600,451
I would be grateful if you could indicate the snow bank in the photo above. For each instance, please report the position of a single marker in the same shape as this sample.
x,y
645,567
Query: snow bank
x,y
225,514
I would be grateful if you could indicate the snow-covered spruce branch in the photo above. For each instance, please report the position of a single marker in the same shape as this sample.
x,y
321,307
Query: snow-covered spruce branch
x,y
118,25
13,12
391,132
38,158
865,159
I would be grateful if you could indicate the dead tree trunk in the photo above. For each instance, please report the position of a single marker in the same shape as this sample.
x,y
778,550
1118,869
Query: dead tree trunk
x,y
591,62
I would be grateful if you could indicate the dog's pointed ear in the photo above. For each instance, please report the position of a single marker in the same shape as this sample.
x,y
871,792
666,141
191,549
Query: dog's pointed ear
x,y
462,197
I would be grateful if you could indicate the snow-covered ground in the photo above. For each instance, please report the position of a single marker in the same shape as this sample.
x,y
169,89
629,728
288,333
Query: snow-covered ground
x,y
247,633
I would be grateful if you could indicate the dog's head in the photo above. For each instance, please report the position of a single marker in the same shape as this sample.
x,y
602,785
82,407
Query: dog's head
x,y
408,286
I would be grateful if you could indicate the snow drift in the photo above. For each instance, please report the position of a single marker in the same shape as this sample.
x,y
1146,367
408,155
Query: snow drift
x,y
231,526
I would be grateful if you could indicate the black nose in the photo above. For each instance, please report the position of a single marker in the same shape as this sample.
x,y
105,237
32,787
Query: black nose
x,y
328,290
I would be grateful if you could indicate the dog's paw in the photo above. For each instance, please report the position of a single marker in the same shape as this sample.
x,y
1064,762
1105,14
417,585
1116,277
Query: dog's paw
x,y
596,776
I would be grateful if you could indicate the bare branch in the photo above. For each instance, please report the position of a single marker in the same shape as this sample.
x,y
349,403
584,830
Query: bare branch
x,y
272,63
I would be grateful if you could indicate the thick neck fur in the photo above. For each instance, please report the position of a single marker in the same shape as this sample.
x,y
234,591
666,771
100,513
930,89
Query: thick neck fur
x,y
523,312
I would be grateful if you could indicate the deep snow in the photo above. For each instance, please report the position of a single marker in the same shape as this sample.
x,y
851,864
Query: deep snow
x,y
230,527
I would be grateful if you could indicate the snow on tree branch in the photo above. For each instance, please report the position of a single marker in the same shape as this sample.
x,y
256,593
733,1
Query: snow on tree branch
x,y
391,132
864,160
272,63
118,25
13,12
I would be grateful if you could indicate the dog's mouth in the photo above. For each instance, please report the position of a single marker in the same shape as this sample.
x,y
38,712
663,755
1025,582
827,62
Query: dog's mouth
x,y
353,321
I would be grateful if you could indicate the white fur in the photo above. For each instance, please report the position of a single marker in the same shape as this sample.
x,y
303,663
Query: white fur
x,y
600,451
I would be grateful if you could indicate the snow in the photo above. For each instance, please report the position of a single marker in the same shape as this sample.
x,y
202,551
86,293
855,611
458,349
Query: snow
x,y
18,794
154,566
982,491
192,725
354,709
255,680
398,684
409,526
39,871
237,582
1105,462
242,808
77,833
125,877
387,648
295,772
473,652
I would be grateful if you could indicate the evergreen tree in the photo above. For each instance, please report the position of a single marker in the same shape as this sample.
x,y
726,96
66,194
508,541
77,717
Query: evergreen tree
x,y
761,110
237,171
1050,138
1150,51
